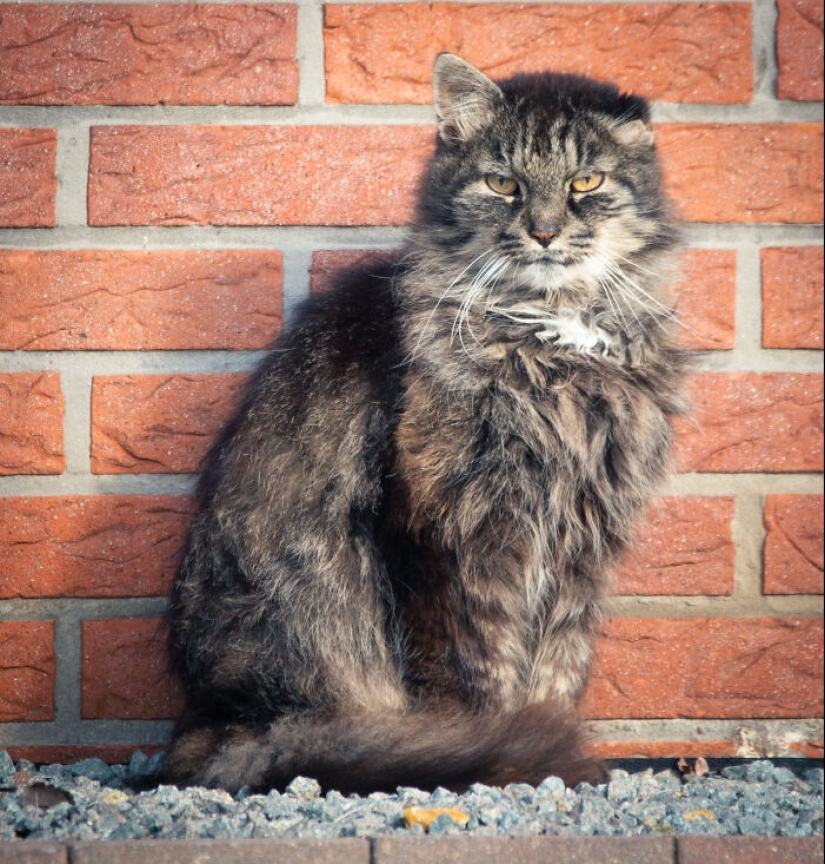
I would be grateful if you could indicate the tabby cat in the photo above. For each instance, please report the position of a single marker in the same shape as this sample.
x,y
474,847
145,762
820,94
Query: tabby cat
x,y
404,537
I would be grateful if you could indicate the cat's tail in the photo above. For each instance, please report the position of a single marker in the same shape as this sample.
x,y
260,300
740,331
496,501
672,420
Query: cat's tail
x,y
366,753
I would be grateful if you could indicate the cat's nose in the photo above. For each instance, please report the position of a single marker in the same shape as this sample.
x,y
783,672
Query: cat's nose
x,y
545,233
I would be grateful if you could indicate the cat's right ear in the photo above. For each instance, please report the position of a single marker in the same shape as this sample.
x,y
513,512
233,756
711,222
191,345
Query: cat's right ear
x,y
465,98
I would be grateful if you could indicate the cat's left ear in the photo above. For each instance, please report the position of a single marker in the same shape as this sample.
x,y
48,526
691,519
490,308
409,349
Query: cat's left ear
x,y
633,132
465,98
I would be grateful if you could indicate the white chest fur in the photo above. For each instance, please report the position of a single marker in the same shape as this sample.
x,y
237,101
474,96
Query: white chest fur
x,y
570,330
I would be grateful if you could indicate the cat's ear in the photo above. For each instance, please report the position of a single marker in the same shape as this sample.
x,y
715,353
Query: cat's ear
x,y
633,132
465,99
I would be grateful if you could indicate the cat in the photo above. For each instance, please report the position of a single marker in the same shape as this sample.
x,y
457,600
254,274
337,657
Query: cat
x,y
397,569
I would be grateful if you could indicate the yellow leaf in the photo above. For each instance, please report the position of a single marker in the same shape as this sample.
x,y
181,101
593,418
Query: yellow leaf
x,y
425,816
693,815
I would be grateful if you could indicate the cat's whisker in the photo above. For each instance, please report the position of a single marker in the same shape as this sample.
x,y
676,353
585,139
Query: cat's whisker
x,y
486,278
414,353
657,309
615,303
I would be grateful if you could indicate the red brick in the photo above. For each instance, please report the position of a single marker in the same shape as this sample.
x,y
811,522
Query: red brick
x,y
680,52
793,544
522,850
744,173
685,547
147,691
67,753
746,422
255,175
663,749
749,850
28,182
118,300
792,308
31,423
706,295
149,424
101,546
799,50
165,53
33,852
272,850
734,667
27,669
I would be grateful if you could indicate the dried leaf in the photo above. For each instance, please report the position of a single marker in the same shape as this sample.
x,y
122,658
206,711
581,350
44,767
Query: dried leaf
x,y
693,815
699,767
425,816
43,796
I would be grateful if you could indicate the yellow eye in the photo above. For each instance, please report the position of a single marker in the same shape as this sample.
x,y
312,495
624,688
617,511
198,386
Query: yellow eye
x,y
501,185
587,182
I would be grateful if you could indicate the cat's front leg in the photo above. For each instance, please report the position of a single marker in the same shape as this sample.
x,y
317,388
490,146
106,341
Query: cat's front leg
x,y
565,648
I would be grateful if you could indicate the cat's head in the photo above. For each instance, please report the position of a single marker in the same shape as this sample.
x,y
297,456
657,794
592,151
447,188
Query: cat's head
x,y
550,181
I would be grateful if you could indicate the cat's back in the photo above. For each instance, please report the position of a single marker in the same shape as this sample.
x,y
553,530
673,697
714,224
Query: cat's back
x,y
332,375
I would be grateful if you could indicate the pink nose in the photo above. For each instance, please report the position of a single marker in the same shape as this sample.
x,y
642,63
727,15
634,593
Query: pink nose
x,y
546,234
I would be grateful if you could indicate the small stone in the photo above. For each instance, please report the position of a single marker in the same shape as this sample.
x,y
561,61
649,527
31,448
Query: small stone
x,y
6,767
552,787
304,787
93,768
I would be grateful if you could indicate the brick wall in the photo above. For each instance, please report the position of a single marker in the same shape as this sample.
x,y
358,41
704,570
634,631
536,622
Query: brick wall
x,y
174,178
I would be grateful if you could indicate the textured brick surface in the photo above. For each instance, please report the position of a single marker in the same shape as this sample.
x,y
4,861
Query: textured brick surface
x,y
33,853
663,749
685,547
99,299
793,544
681,52
792,307
125,671
750,850
31,423
738,667
255,175
745,422
799,49
28,185
145,424
27,669
744,172
300,851
444,850
523,850
171,53
69,753
705,294
100,546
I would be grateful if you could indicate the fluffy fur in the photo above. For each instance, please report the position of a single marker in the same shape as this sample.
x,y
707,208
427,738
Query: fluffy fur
x,y
397,569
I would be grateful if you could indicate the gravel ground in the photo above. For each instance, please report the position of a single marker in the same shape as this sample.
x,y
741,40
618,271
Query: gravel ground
x,y
91,800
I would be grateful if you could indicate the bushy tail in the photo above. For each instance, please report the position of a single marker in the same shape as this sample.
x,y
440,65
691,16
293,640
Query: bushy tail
x,y
367,753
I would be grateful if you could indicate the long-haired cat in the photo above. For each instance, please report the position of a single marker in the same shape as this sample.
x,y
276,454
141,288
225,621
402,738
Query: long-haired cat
x,y
404,537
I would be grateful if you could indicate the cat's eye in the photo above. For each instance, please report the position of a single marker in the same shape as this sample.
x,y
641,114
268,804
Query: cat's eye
x,y
502,185
587,182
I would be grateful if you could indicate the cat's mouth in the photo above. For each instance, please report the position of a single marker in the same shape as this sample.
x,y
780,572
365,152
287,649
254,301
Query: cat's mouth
x,y
550,259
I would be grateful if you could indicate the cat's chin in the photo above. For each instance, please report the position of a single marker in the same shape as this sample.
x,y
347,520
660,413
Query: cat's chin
x,y
549,275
